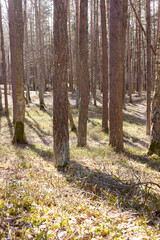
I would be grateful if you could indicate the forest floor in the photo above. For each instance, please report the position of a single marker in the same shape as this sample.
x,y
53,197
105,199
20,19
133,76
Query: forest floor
x,y
100,195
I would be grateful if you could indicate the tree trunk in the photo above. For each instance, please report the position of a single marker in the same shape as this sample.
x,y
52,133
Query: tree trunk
x,y
60,96
12,50
148,19
70,51
77,55
84,75
27,53
92,49
139,56
104,67
39,59
154,147
3,64
129,63
116,63
18,69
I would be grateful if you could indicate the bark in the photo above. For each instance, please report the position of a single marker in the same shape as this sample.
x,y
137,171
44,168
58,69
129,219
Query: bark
x,y
95,52
60,97
27,53
77,54
116,66
148,19
12,50
104,67
39,59
92,49
84,75
124,27
139,56
70,52
34,80
3,64
129,63
154,147
18,69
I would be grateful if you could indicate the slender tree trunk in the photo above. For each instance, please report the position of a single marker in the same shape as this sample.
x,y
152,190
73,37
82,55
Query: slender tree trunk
x,y
148,19
92,49
17,68
95,51
3,64
60,96
39,59
34,81
70,51
77,55
84,75
104,67
129,62
12,50
139,56
27,53
154,147
116,63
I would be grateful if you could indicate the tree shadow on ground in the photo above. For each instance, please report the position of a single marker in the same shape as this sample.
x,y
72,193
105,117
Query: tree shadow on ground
x,y
126,195
41,134
152,162
129,139
46,154
48,110
134,119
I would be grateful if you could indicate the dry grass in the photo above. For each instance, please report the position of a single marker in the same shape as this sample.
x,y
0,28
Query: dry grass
x,y
98,196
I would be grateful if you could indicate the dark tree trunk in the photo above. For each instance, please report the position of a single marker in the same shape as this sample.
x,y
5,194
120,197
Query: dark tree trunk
x,y
116,66
104,67
17,68
60,96
12,50
148,19
77,55
84,75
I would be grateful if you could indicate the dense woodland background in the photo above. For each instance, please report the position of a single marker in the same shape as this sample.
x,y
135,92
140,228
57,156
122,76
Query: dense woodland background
x,y
80,119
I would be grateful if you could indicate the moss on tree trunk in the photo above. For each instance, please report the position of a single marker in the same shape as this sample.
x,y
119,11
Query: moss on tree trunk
x,y
19,136
154,148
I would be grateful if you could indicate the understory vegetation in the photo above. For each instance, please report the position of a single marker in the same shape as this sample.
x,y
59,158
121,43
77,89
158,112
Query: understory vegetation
x,y
101,194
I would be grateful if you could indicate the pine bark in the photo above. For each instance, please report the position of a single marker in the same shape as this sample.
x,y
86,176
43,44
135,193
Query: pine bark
x,y
104,67
154,147
60,96
116,67
3,63
18,69
139,55
148,19
12,51
40,73
84,75
77,55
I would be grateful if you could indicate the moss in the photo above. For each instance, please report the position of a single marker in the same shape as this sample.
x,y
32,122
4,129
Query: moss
x,y
19,136
154,148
